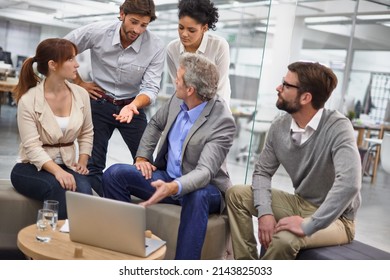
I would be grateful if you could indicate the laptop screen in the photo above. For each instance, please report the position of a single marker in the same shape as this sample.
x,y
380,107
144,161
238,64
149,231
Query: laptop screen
x,y
107,223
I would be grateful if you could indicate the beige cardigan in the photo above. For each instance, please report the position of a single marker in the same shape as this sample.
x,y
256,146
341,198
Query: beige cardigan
x,y
37,126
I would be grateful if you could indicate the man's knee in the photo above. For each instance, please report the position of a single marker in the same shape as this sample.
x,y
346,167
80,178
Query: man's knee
x,y
114,175
198,196
236,194
284,238
117,169
84,187
206,199
284,245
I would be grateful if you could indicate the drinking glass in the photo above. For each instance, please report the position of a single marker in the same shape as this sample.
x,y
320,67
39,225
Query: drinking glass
x,y
52,205
44,225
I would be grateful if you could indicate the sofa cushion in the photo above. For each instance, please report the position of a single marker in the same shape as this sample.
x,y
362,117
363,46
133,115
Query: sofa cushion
x,y
16,212
355,250
163,220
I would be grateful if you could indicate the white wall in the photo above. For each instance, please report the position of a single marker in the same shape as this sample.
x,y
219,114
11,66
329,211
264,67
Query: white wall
x,y
22,38
19,38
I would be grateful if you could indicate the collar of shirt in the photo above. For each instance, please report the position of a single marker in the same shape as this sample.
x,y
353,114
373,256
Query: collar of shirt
x,y
313,123
309,128
202,47
194,113
116,40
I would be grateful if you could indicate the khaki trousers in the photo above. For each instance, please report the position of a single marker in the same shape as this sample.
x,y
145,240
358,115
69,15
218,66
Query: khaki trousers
x,y
285,245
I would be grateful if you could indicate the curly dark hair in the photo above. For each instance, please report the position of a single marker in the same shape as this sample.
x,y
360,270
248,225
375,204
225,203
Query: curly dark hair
x,y
203,11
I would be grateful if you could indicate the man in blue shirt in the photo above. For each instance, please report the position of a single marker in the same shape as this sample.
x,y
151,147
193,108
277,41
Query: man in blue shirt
x,y
195,131
127,62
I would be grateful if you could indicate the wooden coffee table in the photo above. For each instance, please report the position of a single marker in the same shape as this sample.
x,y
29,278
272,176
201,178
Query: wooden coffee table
x,y
62,248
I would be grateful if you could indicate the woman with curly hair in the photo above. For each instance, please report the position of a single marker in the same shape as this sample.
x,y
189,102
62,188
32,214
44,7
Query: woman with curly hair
x,y
196,17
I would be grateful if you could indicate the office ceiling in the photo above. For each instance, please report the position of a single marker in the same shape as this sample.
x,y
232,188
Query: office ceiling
x,y
71,13
330,16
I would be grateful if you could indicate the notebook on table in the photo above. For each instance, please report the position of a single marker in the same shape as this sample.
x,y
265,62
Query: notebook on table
x,y
109,224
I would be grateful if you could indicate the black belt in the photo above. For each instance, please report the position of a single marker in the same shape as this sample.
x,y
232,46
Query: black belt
x,y
59,145
117,102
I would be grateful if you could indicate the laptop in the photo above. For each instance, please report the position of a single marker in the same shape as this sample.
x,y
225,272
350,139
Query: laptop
x,y
109,224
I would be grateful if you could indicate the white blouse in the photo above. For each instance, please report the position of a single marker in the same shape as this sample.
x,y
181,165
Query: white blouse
x,y
63,124
214,48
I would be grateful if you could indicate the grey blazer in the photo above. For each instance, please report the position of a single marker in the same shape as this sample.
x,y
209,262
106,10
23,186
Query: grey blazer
x,y
205,148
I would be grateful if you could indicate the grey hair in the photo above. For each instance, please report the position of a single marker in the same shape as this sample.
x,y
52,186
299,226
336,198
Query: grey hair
x,y
200,73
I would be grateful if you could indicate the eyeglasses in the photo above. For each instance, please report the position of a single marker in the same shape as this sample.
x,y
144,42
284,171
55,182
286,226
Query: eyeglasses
x,y
285,84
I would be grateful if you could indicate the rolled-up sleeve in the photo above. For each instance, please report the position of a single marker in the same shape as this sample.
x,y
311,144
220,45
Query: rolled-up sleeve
x,y
151,80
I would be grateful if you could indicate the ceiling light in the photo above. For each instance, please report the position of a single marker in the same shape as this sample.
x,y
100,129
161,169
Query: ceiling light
x,y
325,19
374,17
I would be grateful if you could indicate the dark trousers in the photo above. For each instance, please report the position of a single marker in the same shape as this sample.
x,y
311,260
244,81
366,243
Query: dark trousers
x,y
120,181
42,185
103,126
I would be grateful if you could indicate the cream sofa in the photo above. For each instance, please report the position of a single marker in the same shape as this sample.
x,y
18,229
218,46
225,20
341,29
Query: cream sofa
x,y
18,211
163,220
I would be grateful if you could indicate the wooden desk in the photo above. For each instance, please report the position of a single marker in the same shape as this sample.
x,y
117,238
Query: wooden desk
x,y
61,247
6,86
364,131
364,141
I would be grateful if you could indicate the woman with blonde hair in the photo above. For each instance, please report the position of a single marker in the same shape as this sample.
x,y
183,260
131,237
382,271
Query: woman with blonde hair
x,y
52,114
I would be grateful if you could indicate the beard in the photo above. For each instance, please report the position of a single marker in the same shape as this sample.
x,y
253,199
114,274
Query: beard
x,y
128,34
290,107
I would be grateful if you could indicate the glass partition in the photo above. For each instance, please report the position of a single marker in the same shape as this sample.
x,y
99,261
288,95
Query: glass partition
x,y
244,25
351,37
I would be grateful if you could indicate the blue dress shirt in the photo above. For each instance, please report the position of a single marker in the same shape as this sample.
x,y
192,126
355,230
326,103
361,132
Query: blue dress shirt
x,y
177,134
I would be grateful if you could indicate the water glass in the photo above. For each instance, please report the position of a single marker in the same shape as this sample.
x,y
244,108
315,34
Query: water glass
x,y
45,220
52,205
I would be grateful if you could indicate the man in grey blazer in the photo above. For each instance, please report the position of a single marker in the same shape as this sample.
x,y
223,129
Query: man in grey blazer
x,y
195,131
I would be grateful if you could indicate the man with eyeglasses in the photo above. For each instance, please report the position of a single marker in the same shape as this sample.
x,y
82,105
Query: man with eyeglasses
x,y
318,150
127,62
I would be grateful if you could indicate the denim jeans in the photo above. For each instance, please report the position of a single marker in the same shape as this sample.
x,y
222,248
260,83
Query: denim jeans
x,y
42,185
120,181
103,126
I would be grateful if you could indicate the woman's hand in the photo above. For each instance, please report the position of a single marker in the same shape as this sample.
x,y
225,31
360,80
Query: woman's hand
x,y
65,179
81,168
